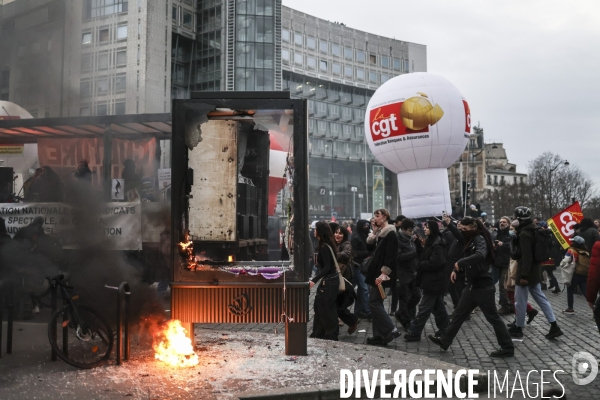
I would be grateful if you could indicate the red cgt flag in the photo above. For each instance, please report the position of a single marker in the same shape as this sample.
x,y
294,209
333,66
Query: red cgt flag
x,y
563,222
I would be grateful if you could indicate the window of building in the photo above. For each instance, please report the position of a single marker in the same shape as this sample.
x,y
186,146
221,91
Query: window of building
x,y
324,46
359,131
298,58
514,179
99,8
298,38
122,32
121,58
103,35
495,179
397,64
85,88
359,150
103,61
360,74
336,50
385,61
323,65
285,54
174,13
86,63
334,110
348,53
187,20
86,38
384,78
321,108
359,114
322,126
84,112
101,109
285,35
321,143
360,56
373,59
335,128
311,42
120,108
372,77
348,71
347,131
347,149
311,62
489,179
120,83
336,68
521,179
102,86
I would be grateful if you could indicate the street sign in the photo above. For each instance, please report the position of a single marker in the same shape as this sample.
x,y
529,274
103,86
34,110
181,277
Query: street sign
x,y
322,191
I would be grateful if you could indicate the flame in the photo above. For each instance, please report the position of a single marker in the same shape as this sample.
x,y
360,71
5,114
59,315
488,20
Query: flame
x,y
186,248
173,347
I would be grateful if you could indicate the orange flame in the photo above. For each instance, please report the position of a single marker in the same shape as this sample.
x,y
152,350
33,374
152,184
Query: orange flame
x,y
173,347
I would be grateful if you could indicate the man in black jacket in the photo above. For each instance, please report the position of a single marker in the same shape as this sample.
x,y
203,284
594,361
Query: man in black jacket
x,y
358,241
502,260
455,253
409,294
480,290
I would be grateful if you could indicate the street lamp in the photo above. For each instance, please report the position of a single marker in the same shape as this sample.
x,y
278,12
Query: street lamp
x,y
360,197
354,189
561,162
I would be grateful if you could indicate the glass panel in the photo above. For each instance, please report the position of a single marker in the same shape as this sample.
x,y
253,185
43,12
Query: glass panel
x,y
336,50
122,32
285,54
348,71
360,56
385,61
120,83
348,53
360,74
120,108
285,35
103,61
372,76
336,68
324,46
397,64
323,65
102,109
121,57
311,62
298,38
311,42
298,58
103,35
86,38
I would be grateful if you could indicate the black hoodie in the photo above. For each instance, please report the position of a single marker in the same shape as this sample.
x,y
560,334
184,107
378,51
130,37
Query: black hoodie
x,y
358,240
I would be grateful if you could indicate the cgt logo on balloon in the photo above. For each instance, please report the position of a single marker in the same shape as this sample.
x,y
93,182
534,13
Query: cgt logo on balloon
x,y
413,115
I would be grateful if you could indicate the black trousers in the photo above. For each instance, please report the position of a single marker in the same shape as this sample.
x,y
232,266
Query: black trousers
x,y
325,321
342,302
456,289
485,299
409,297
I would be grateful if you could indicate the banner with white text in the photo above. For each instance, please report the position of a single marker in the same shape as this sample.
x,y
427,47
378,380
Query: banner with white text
x,y
115,226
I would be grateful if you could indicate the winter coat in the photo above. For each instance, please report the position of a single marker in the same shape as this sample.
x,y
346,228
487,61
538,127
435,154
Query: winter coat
x,y
527,269
358,240
407,258
590,235
383,260
593,279
326,263
475,264
344,258
431,274
502,253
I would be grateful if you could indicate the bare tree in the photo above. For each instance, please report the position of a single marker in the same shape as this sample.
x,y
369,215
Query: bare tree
x,y
505,198
554,185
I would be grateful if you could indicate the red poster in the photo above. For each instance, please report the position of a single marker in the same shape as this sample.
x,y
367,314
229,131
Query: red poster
x,y
385,122
467,117
562,223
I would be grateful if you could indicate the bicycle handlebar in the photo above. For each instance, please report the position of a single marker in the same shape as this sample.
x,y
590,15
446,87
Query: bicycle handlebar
x,y
58,280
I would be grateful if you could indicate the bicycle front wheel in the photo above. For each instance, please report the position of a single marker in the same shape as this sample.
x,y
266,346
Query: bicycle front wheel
x,y
88,341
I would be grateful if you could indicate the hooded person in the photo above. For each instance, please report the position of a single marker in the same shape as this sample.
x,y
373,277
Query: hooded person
x,y
589,232
529,277
479,291
358,242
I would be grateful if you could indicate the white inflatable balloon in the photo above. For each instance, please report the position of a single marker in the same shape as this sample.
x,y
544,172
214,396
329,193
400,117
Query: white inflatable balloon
x,y
417,125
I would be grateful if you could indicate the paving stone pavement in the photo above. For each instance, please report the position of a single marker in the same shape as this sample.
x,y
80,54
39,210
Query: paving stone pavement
x,y
476,340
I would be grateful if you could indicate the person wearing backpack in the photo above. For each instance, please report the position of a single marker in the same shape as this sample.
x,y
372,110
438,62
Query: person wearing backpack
x,y
529,275
578,255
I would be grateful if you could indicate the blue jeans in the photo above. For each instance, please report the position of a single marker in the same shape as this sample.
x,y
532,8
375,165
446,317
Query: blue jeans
x,y
521,295
577,281
361,306
429,304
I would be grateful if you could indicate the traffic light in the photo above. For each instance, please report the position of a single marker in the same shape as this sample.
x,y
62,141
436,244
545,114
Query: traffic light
x,y
465,191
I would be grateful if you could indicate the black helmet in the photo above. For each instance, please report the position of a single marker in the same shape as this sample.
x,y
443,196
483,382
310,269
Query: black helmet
x,y
522,212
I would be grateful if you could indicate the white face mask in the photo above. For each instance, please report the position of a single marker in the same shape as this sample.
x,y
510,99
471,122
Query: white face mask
x,y
512,233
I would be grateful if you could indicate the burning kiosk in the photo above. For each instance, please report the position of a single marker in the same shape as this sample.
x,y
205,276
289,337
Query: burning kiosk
x,y
239,162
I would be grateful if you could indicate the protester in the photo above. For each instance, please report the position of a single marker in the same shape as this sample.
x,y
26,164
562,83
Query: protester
x,y
325,320
580,257
480,290
529,276
347,297
455,253
589,232
358,241
398,222
432,279
500,266
384,242
409,294
593,284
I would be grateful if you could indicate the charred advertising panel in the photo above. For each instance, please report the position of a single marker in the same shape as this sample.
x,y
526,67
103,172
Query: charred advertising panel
x,y
240,222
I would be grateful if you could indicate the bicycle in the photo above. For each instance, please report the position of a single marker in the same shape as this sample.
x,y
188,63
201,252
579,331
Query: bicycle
x,y
86,337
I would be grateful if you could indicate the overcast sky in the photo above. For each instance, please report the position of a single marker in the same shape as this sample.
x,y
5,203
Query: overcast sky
x,y
530,69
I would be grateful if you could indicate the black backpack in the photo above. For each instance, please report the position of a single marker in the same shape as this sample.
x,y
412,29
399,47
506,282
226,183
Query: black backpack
x,y
541,245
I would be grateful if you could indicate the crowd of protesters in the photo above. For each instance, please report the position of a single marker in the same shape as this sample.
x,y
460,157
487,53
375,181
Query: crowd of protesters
x,y
468,259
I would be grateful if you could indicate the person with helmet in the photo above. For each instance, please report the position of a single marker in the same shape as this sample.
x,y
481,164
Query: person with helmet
x,y
529,277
